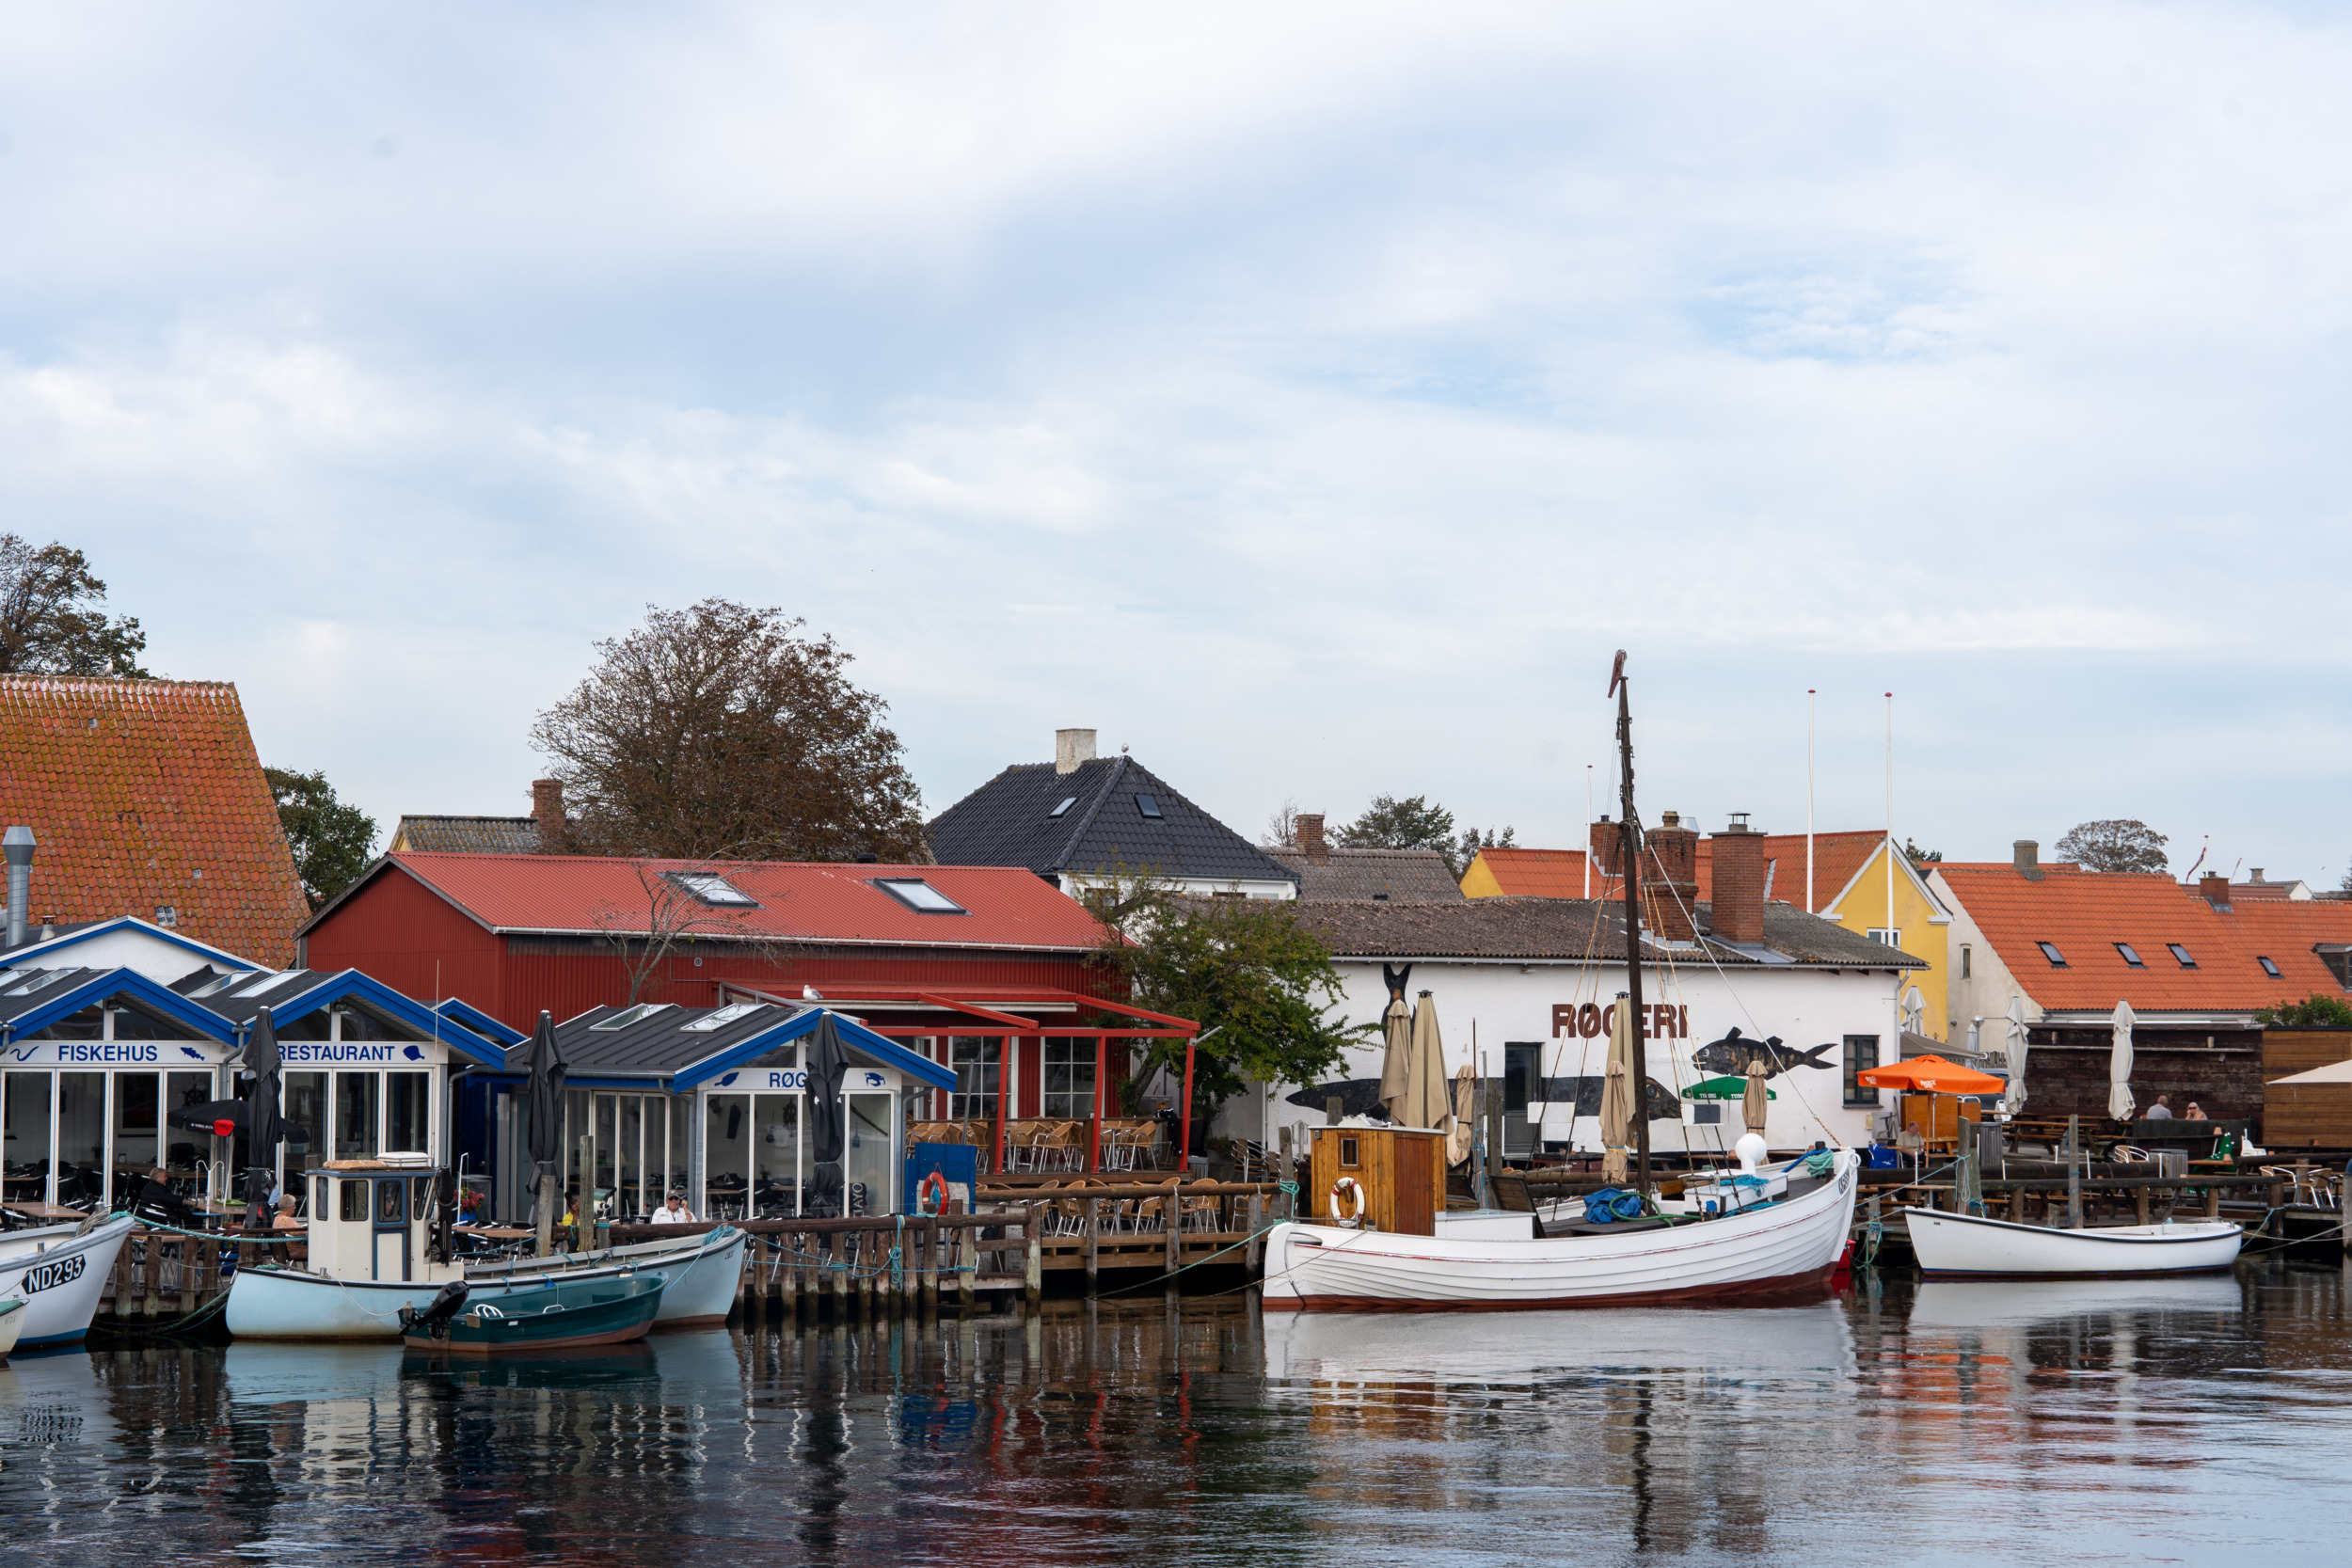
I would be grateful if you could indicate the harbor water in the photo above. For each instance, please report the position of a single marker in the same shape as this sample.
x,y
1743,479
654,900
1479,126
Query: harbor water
x,y
2196,1420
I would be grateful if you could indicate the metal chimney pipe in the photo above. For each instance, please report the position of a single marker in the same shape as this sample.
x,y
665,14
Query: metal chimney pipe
x,y
18,843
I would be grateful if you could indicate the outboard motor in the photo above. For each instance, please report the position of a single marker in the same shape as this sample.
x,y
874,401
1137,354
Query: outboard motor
x,y
435,1320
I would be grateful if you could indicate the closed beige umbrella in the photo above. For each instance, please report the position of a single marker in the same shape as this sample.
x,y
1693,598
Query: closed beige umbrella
x,y
1751,1103
1396,1063
1425,1102
1457,1138
1616,1094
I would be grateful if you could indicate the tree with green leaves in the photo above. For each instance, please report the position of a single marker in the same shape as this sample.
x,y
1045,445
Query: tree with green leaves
x,y
53,616
719,732
2114,843
1244,967
1415,822
1459,857
2318,1010
332,840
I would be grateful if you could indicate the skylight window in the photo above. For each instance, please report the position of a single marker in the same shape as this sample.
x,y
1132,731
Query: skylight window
x,y
38,979
628,1015
2049,951
2130,956
257,987
1068,801
723,1016
2268,968
2181,953
919,895
233,978
715,890
1149,805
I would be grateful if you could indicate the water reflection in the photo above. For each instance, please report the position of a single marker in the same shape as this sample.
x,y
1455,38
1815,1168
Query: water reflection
x,y
1949,1422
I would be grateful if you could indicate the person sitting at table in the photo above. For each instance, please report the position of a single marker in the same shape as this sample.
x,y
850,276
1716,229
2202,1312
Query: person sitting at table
x,y
159,1205
674,1212
285,1220
2161,1110
2196,1113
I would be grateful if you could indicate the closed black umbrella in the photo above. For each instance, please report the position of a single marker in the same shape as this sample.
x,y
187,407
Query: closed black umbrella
x,y
548,1069
828,1059
264,1129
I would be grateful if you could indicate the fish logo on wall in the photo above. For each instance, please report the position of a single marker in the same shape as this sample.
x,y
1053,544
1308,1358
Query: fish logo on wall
x,y
1732,1055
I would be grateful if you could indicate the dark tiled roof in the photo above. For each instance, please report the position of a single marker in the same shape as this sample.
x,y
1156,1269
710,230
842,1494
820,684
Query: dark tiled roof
x,y
1568,929
468,836
1404,876
146,796
1009,821
657,1042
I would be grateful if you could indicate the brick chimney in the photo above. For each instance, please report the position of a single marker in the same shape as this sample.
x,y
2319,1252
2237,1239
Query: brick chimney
x,y
1308,825
1738,902
1070,748
2025,854
1669,881
2215,889
547,809
1606,846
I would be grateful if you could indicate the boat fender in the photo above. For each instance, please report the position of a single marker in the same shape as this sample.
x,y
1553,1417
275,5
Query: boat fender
x,y
1356,1204
931,1183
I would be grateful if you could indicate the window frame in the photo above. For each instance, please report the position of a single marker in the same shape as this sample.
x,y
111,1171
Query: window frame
x,y
891,885
2050,951
2269,967
2130,955
685,882
1851,1056
2181,955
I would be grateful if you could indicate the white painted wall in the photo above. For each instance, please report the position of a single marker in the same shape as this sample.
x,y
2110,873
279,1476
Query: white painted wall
x,y
1514,1003
134,944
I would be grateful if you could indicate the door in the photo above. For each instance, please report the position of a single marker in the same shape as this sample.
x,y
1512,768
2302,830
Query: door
x,y
390,1223
1519,1080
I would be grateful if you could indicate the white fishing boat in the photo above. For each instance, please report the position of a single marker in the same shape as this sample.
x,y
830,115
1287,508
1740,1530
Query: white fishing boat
x,y
11,1325
60,1271
368,1256
1787,1245
1960,1246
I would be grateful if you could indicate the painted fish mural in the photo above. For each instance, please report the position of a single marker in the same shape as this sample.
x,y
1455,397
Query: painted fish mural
x,y
1732,1054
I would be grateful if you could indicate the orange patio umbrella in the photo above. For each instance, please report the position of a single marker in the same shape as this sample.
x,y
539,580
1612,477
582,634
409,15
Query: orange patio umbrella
x,y
1931,1075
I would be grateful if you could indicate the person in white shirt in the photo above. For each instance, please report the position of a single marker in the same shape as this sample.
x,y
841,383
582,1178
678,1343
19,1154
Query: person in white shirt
x,y
675,1211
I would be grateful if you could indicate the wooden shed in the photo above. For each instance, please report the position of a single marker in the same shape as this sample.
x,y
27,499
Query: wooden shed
x,y
1400,1171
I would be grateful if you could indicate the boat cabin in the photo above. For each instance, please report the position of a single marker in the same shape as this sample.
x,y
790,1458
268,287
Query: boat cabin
x,y
372,1219
712,1102
1397,1176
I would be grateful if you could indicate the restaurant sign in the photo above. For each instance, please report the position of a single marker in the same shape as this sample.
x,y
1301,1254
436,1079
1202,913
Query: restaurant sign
x,y
103,1053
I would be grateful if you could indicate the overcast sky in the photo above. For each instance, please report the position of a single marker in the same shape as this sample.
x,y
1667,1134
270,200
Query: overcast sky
x,y
1310,398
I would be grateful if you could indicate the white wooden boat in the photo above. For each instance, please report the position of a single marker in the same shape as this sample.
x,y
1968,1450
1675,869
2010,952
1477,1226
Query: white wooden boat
x,y
11,1323
1774,1248
60,1271
368,1259
1953,1247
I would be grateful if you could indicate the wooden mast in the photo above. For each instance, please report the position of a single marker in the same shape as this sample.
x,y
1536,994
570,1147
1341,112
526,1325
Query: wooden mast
x,y
1630,841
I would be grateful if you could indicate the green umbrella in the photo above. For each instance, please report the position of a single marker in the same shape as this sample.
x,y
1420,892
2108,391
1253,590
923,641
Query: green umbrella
x,y
1729,1086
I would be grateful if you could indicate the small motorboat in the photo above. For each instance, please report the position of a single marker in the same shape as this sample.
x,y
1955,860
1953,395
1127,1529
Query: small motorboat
x,y
557,1317
11,1323
60,1271
1972,1246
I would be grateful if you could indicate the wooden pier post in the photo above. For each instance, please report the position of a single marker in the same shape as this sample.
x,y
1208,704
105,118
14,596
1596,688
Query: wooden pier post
x,y
1253,1254
2073,1172
2143,1195
930,1265
1033,1280
835,1260
2213,1203
2017,1206
1093,1208
965,1249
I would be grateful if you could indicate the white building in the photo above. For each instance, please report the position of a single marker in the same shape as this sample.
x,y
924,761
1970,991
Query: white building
x,y
1531,984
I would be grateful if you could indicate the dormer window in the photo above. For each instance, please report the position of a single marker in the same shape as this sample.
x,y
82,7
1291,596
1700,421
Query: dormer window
x,y
919,895
2268,968
1149,805
2131,955
2181,953
2049,951
711,888
1068,801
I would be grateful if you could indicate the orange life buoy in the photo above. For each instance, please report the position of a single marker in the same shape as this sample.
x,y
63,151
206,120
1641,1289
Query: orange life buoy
x,y
1357,1203
931,1183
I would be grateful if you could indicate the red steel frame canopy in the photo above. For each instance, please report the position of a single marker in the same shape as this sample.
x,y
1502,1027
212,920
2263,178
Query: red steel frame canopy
x,y
1015,1026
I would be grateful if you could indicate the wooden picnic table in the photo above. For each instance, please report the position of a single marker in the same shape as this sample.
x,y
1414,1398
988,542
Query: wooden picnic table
x,y
44,1211
495,1233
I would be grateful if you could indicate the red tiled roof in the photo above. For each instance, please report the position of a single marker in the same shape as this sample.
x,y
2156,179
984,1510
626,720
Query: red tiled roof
x,y
1541,872
1559,873
1010,907
2084,913
147,795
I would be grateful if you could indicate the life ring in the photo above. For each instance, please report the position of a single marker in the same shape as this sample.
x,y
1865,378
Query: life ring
x,y
1357,1202
931,1183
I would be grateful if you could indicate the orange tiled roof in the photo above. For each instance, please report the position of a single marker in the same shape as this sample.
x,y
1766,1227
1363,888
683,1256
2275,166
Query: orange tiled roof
x,y
1541,872
148,795
1559,873
2085,913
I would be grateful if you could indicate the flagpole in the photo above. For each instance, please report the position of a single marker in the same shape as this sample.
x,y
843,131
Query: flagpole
x,y
1810,695
1588,830
1890,813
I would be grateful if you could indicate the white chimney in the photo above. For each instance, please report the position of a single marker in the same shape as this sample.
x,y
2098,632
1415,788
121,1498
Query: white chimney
x,y
19,843
1070,748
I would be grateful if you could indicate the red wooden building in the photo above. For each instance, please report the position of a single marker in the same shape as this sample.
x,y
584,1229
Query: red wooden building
x,y
973,966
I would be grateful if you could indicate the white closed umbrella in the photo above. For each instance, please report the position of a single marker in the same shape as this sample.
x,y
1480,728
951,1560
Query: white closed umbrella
x,y
1914,1012
1425,1101
1617,1095
2015,1047
2119,1065
1396,1062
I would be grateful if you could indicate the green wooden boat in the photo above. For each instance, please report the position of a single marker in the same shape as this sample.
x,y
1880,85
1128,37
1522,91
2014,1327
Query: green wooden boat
x,y
593,1312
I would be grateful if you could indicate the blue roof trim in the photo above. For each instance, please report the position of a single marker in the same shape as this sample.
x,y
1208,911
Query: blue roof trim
x,y
482,1023
120,982
860,1040
351,983
107,927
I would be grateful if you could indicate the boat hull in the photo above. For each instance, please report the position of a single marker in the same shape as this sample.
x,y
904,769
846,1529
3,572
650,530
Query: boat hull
x,y
11,1323
1970,1246
558,1317
1777,1250
61,1276
699,1277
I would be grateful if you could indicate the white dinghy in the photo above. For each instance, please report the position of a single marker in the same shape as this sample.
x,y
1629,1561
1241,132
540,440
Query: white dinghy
x,y
60,1271
1787,1245
370,1255
1965,1246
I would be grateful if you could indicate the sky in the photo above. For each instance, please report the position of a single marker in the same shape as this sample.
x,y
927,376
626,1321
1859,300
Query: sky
x,y
1310,398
